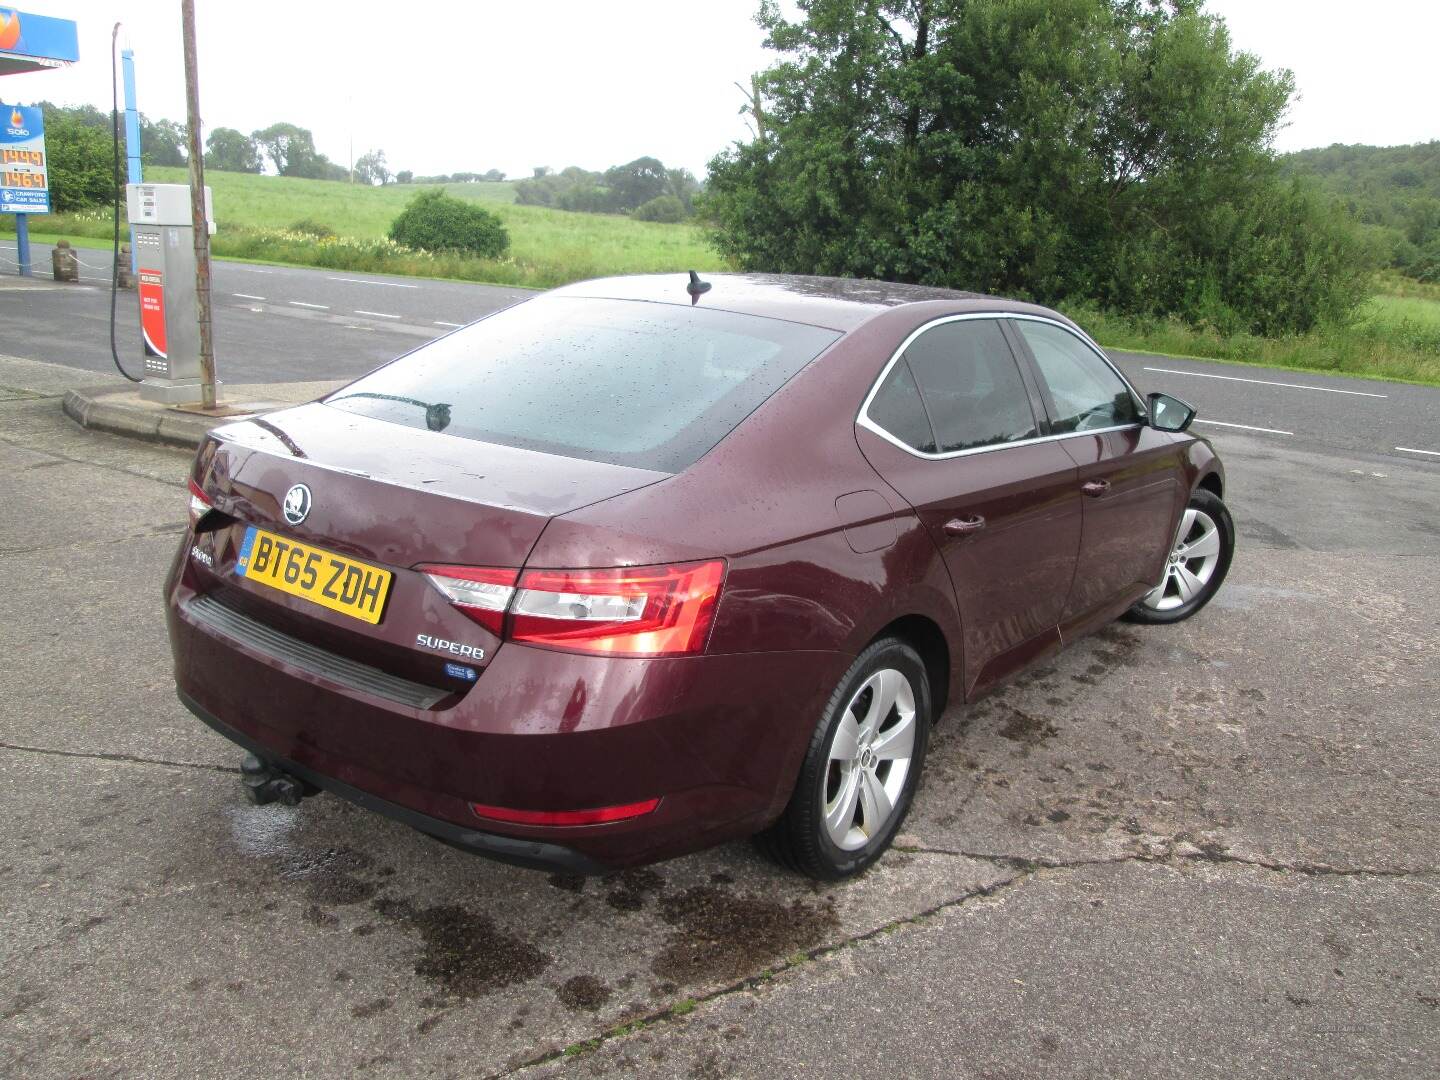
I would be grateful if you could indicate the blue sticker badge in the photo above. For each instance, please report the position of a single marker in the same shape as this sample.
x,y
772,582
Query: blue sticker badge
x,y
460,671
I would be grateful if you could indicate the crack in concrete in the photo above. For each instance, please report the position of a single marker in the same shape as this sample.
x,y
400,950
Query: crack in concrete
x,y
1204,854
1024,867
19,441
159,530
131,759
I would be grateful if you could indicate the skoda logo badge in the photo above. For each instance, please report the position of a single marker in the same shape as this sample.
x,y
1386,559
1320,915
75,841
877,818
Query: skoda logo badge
x,y
297,504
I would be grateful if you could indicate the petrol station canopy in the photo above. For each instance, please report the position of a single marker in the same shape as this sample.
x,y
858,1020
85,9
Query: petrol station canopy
x,y
35,42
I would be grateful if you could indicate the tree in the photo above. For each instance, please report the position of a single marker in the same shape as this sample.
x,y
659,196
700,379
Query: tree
x,y
636,182
162,142
232,151
1110,150
291,149
81,163
404,176
370,168
434,221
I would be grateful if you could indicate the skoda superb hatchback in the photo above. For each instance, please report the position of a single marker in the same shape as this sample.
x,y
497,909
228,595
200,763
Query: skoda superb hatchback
x,y
633,568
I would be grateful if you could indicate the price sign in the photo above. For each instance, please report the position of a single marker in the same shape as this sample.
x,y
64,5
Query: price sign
x,y
24,177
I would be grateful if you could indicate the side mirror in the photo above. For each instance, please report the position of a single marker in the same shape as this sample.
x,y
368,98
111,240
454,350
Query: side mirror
x,y
1169,413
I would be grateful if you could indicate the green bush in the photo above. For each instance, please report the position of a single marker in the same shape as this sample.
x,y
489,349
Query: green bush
x,y
434,221
82,165
310,227
666,208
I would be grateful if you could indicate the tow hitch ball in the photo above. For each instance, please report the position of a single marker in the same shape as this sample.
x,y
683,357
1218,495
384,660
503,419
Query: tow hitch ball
x,y
266,784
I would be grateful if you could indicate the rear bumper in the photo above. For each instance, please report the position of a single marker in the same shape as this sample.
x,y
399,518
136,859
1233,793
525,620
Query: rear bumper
x,y
529,853
718,739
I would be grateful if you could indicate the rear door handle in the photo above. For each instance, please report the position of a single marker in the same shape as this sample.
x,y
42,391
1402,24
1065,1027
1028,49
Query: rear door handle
x,y
1095,488
964,526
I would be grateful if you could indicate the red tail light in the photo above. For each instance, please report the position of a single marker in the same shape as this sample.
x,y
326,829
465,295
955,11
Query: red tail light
x,y
599,815
631,611
200,504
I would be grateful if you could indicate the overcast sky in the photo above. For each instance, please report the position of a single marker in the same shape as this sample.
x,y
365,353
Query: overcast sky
x,y
477,85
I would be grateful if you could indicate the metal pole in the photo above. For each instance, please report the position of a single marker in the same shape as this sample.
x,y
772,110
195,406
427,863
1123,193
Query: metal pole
x,y
22,243
201,225
132,134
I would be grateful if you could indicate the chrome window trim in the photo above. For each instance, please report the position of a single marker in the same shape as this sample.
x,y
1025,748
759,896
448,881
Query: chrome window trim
x,y
863,418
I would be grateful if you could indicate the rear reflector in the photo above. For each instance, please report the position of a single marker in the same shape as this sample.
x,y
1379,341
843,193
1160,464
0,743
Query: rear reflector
x,y
482,594
200,504
599,815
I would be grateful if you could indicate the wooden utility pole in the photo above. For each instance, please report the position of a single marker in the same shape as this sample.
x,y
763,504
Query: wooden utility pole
x,y
198,219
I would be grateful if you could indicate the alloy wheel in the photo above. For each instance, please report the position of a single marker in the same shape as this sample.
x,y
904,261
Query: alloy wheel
x,y
870,755
1191,564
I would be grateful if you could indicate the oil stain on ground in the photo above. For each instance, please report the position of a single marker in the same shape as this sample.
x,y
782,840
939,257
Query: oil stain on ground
x,y
463,951
720,936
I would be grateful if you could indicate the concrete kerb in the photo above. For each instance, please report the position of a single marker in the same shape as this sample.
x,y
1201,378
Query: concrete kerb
x,y
121,411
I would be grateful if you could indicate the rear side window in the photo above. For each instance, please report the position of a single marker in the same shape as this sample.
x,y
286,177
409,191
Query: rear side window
x,y
1086,392
652,386
897,408
971,385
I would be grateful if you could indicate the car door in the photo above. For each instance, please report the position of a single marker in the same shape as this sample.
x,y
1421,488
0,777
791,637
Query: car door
x,y
1130,473
956,427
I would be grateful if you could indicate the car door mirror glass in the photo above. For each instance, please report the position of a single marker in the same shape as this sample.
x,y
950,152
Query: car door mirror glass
x,y
1169,413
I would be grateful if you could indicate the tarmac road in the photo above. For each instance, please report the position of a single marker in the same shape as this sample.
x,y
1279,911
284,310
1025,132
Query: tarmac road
x,y
279,324
1201,850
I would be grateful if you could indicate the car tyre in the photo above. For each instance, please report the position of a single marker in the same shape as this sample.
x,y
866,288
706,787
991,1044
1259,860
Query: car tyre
x,y
861,767
1196,565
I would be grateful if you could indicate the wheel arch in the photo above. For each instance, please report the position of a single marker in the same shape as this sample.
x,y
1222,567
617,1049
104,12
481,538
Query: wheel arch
x,y
924,635
1212,483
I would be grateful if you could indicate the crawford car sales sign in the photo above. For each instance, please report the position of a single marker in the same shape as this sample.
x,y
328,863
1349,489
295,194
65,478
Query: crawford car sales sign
x,y
24,178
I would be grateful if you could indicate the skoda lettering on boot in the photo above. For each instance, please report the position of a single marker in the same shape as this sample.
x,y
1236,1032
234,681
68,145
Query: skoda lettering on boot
x,y
425,641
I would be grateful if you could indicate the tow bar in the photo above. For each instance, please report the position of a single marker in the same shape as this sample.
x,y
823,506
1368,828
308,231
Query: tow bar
x,y
266,784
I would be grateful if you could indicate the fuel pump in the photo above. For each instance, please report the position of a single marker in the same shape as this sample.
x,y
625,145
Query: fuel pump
x,y
165,280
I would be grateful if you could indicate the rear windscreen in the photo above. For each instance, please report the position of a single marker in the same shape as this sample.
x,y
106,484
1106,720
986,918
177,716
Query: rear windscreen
x,y
652,386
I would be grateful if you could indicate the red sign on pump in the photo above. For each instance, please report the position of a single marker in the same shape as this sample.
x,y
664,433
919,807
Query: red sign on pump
x,y
152,312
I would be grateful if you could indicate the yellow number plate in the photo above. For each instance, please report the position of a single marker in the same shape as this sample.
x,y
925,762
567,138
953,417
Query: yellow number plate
x,y
344,585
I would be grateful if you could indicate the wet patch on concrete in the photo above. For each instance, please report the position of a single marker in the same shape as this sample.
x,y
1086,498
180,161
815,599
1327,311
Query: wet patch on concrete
x,y
630,887
568,882
464,952
1025,728
370,1008
583,993
719,936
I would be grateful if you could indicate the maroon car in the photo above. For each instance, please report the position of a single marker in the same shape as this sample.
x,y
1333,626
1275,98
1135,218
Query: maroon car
x,y
639,566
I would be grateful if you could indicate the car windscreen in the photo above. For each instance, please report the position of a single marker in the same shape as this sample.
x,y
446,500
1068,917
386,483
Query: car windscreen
x,y
652,386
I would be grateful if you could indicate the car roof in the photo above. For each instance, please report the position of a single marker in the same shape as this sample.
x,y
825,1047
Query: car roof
x,y
835,303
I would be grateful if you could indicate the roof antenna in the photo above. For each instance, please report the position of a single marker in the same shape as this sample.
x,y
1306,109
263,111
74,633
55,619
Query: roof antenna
x,y
696,288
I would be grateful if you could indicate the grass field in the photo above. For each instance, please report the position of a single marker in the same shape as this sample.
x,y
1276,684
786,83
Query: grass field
x,y
547,247
1396,335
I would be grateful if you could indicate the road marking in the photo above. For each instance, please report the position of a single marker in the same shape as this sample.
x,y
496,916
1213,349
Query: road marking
x,y
250,269
363,281
1412,450
1246,427
377,314
442,322
301,303
247,296
1264,382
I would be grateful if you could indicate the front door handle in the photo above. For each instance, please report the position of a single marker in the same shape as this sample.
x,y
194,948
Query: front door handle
x,y
964,526
1095,488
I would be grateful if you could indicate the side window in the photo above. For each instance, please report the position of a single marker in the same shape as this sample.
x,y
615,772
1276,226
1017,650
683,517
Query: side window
x,y
896,408
1087,393
971,385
